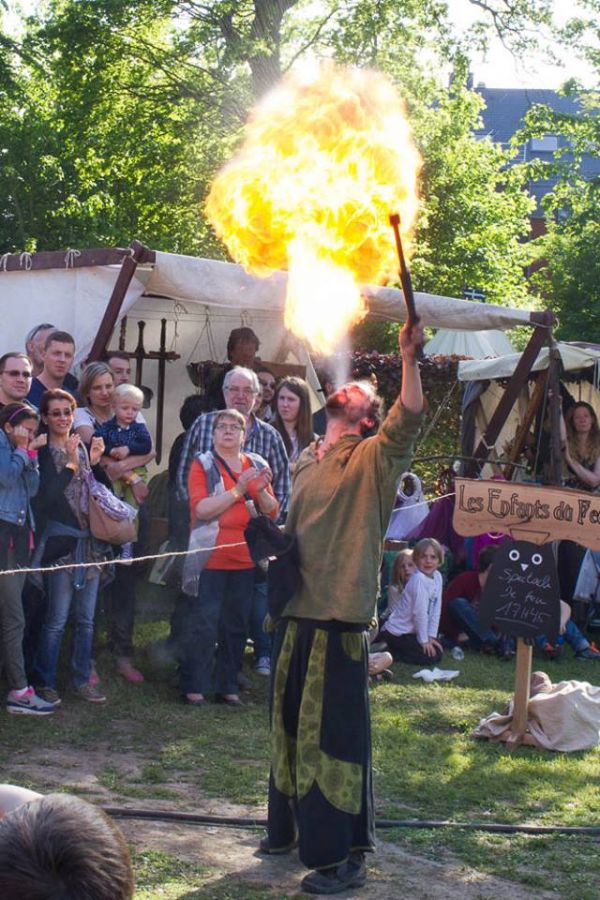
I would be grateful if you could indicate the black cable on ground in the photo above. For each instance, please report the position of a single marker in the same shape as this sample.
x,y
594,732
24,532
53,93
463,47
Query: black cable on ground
x,y
122,812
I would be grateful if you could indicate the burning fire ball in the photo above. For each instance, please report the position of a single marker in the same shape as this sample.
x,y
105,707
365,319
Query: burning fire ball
x,y
326,157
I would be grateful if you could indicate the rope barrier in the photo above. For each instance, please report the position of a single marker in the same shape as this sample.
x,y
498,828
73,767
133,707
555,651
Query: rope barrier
x,y
151,557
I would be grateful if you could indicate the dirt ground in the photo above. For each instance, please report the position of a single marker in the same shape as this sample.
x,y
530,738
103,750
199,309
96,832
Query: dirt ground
x,y
231,852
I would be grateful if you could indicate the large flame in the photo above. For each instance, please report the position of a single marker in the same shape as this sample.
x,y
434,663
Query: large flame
x,y
326,158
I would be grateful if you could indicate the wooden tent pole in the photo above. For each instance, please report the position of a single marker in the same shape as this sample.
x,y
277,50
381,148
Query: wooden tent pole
x,y
113,308
554,410
519,377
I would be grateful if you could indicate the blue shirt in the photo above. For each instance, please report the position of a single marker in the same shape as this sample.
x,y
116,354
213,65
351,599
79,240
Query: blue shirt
x,y
135,436
70,384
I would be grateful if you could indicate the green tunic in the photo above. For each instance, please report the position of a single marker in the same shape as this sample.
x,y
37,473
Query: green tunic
x,y
340,509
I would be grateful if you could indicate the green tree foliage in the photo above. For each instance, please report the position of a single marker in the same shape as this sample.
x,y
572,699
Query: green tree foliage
x,y
570,279
117,113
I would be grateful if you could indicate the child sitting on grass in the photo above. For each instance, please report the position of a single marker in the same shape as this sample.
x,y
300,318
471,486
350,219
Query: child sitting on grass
x,y
411,628
404,566
123,436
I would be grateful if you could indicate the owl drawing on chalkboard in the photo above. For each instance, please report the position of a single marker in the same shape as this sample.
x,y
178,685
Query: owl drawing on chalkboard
x,y
522,595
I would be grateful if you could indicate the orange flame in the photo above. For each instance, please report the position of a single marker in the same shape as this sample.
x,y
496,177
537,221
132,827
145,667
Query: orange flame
x,y
325,160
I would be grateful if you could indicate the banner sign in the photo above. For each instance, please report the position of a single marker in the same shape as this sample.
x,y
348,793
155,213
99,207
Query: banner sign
x,y
521,594
526,512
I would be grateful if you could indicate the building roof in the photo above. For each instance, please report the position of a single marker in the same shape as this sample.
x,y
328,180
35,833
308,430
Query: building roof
x,y
504,114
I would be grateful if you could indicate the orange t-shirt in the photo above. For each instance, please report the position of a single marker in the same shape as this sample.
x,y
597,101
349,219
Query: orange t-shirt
x,y
231,522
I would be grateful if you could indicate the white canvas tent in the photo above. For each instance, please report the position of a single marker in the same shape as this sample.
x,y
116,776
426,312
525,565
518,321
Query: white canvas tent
x,y
201,299
470,344
574,359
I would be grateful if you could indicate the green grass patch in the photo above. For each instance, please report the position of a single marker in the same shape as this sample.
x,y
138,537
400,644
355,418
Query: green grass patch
x,y
426,766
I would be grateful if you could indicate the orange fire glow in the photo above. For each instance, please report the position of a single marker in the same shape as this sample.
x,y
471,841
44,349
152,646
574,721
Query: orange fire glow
x,y
326,158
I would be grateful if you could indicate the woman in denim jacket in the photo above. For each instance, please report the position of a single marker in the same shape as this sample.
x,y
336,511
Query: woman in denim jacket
x,y
19,481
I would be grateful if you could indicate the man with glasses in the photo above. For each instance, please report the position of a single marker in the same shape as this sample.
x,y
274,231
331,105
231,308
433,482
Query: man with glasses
x,y
240,389
15,377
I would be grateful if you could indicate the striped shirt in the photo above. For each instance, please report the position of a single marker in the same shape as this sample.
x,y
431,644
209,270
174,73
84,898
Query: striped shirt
x,y
261,438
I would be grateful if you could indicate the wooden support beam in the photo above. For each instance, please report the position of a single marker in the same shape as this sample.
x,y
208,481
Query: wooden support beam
x,y
129,264
555,412
540,336
523,429
71,259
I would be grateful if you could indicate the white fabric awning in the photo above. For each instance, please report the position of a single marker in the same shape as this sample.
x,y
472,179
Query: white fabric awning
x,y
472,344
572,358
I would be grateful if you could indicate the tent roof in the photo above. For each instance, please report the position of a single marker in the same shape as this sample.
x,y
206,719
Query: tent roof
x,y
471,344
213,283
73,288
572,358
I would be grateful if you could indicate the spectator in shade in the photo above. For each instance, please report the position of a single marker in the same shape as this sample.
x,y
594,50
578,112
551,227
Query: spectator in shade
x,y
119,363
15,377
268,383
57,359
34,345
242,347
319,422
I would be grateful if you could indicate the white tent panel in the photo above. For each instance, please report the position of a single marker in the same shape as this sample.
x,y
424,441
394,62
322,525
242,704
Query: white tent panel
x,y
572,358
472,344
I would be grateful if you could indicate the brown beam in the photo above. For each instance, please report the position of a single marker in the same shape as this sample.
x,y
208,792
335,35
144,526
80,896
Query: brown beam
x,y
129,264
63,259
540,336
554,414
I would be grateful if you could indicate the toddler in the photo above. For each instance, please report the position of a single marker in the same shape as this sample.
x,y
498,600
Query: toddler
x,y
412,626
123,436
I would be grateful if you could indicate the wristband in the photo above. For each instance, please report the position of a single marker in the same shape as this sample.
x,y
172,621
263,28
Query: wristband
x,y
72,466
236,493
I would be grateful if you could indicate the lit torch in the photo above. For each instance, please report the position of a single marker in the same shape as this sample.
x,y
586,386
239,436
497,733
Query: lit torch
x,y
325,158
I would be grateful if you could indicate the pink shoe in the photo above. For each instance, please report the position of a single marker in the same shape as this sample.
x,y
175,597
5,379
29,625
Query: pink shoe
x,y
129,672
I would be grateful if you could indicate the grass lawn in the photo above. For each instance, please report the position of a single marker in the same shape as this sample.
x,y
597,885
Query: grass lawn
x,y
144,745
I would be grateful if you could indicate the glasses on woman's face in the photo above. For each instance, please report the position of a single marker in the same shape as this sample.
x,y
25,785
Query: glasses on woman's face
x,y
60,414
222,426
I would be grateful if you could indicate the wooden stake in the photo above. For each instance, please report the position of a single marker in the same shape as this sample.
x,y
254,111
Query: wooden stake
x,y
521,701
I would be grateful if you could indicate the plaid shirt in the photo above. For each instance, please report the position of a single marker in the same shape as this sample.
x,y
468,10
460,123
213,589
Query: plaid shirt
x,y
261,438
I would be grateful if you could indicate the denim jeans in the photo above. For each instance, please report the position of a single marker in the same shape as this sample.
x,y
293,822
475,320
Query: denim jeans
x,y
467,618
572,635
218,615
62,597
261,640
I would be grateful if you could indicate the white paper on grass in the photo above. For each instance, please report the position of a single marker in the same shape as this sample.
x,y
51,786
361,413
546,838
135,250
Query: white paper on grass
x,y
436,674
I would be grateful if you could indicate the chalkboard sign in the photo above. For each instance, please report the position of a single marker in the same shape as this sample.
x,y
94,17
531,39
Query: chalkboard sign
x,y
522,595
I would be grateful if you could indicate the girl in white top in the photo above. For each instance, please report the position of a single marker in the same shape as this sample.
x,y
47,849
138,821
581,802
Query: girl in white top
x,y
404,566
412,627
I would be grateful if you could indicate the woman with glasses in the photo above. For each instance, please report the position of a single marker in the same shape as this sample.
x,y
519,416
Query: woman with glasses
x,y
219,581
66,539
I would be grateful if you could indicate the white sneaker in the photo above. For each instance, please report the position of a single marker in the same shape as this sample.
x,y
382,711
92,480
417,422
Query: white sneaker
x,y
263,666
27,703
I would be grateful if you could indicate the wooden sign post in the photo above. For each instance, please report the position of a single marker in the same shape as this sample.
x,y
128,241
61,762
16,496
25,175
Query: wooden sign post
x,y
522,595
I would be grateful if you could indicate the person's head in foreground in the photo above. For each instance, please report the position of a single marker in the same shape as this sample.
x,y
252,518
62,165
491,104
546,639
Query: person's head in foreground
x,y
59,847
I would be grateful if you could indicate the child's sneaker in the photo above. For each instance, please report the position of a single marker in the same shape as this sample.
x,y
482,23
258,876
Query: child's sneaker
x,y
263,666
590,652
28,703
552,651
126,554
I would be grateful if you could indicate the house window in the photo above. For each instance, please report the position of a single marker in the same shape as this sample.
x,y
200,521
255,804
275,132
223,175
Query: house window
x,y
546,144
